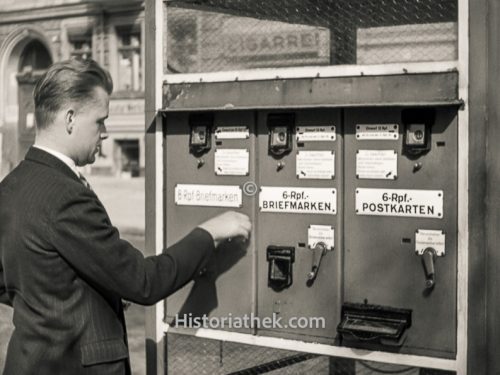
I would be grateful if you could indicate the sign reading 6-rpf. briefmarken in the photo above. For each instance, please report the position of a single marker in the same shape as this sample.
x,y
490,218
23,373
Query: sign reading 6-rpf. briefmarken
x,y
298,200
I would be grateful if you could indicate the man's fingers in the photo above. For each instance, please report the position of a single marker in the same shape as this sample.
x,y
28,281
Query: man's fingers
x,y
227,225
245,226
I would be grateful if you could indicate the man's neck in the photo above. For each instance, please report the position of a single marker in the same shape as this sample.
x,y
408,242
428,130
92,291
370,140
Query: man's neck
x,y
50,141
58,154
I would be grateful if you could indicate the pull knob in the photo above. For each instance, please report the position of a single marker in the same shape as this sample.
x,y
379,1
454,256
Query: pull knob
x,y
428,258
318,252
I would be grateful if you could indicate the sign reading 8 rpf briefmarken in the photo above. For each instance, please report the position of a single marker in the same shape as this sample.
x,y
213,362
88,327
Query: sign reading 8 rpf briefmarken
x,y
400,202
208,195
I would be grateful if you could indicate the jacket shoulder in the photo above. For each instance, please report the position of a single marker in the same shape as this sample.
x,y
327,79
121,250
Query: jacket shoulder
x,y
32,183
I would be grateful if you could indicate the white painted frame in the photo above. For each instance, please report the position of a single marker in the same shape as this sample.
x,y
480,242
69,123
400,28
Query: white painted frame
x,y
313,72
463,188
459,364
159,174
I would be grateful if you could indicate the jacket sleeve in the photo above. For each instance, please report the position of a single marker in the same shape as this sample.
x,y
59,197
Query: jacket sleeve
x,y
4,297
83,235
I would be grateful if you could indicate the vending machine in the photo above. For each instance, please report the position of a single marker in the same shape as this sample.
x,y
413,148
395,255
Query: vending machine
x,y
351,154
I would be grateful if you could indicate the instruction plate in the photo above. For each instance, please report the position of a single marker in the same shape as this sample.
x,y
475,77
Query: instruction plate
x,y
315,165
315,133
321,233
232,132
377,164
425,238
231,162
377,131
400,202
298,200
208,195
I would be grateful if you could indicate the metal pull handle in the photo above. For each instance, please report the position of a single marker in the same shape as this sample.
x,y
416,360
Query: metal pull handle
x,y
318,252
428,258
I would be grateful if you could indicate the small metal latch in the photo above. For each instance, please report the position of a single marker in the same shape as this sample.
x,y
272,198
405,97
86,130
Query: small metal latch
x,y
200,133
417,134
280,133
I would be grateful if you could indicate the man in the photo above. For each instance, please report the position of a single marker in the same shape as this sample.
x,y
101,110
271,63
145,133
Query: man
x,y
63,266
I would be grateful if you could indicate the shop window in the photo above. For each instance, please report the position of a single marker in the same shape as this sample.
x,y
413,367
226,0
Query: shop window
x,y
35,57
127,157
130,74
80,43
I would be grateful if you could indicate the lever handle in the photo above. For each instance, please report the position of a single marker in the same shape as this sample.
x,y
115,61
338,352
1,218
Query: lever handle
x,y
428,258
318,252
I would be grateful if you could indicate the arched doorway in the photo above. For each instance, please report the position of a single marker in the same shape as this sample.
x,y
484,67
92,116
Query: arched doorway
x,y
33,62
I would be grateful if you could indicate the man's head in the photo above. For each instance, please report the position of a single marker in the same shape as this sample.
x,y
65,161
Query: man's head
x,y
71,104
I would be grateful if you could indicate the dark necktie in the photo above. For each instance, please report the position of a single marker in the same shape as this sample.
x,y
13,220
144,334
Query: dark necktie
x,y
85,182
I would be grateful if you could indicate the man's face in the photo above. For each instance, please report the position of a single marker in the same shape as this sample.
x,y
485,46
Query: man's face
x,y
89,130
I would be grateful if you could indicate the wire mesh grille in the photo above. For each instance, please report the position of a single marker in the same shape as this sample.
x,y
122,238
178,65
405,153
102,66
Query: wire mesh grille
x,y
187,355
222,35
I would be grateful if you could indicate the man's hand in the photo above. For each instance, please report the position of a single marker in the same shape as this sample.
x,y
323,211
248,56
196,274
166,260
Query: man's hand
x,y
227,225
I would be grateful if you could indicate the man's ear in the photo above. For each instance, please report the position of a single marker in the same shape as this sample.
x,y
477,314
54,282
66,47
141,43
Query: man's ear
x,y
69,120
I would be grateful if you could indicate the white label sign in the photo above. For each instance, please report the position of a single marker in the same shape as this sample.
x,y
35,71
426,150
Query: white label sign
x,y
315,133
321,233
377,131
377,164
400,202
315,165
231,162
425,238
232,132
208,195
298,200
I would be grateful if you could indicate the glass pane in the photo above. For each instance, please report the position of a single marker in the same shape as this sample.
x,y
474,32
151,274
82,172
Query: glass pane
x,y
124,71
81,48
34,57
129,62
223,35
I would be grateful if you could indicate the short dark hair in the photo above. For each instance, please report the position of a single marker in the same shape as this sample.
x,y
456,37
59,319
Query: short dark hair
x,y
68,80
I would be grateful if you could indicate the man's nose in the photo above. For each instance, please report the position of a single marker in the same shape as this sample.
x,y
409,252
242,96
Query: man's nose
x,y
103,136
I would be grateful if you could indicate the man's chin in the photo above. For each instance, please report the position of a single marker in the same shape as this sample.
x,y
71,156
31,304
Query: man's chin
x,y
82,163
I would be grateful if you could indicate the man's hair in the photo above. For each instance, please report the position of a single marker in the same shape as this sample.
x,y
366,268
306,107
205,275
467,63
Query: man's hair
x,y
66,81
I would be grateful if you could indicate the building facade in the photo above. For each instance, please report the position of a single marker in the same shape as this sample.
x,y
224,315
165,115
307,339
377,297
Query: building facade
x,y
35,33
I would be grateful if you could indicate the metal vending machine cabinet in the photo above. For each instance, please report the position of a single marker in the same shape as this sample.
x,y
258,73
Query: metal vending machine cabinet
x,y
355,223
355,178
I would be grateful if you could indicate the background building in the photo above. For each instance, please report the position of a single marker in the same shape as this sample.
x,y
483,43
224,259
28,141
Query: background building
x,y
36,33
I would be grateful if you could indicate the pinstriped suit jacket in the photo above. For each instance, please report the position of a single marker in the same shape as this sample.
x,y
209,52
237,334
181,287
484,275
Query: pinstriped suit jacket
x,y
64,269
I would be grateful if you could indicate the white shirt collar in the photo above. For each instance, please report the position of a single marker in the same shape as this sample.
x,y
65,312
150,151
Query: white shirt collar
x,y
65,159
